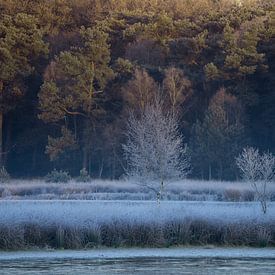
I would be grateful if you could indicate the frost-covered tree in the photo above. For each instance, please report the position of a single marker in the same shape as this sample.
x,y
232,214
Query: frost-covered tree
x,y
259,170
154,149
249,164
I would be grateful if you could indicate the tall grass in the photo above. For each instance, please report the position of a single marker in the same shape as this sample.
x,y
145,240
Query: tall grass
x,y
87,224
121,234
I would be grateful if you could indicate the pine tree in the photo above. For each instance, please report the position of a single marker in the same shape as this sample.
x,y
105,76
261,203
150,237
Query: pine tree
x,y
21,43
217,139
73,86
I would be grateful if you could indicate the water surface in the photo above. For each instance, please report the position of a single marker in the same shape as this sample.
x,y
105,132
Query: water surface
x,y
141,261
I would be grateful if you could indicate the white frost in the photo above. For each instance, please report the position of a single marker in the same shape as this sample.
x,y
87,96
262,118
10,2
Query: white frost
x,y
93,213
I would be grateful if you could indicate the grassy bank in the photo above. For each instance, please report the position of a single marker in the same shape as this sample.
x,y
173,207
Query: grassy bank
x,y
120,234
87,224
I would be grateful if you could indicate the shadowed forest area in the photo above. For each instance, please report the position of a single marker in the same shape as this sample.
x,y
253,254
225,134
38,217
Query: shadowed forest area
x,y
70,71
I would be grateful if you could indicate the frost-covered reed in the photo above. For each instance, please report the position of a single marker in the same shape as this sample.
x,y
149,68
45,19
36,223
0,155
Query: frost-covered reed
x,y
125,190
79,224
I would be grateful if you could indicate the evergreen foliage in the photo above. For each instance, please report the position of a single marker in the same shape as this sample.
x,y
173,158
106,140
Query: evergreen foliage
x,y
84,176
56,176
4,175
71,70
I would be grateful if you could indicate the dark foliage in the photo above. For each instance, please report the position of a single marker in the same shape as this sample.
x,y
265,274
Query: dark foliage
x,y
70,70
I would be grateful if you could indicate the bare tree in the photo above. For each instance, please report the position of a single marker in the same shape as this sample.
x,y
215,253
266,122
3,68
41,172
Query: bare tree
x,y
154,148
140,91
259,170
177,87
249,163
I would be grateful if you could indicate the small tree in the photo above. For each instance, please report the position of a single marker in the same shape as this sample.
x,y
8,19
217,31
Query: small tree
x,y
249,163
154,149
259,170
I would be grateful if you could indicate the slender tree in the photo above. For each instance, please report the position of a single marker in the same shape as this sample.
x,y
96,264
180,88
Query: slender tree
x,y
154,149
258,170
177,88
140,91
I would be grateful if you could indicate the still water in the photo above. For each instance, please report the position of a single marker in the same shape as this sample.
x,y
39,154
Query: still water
x,y
82,264
140,266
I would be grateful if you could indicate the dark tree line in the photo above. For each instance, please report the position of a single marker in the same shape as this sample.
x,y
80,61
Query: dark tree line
x,y
70,71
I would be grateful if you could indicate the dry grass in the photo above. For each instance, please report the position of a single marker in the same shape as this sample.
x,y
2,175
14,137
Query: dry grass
x,y
117,234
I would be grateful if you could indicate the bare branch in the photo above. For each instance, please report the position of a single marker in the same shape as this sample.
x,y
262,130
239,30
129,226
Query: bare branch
x,y
154,149
259,170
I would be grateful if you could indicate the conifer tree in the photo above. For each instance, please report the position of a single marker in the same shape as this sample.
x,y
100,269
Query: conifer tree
x,y
217,139
21,43
74,85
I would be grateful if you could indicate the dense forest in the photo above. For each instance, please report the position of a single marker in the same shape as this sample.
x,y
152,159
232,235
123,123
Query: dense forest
x,y
70,71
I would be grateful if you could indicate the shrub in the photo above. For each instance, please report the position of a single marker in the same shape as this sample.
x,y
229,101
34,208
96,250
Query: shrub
x,y
248,195
232,195
263,237
12,237
58,176
4,175
84,176
6,193
259,170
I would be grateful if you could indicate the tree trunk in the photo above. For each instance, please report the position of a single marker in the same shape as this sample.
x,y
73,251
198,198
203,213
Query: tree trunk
x,y
1,139
75,127
209,172
87,132
85,158
220,171
113,163
8,142
34,154
101,169
86,145
1,123
90,163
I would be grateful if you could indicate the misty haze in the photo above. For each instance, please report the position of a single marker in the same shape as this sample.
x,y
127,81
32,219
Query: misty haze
x,y
137,137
